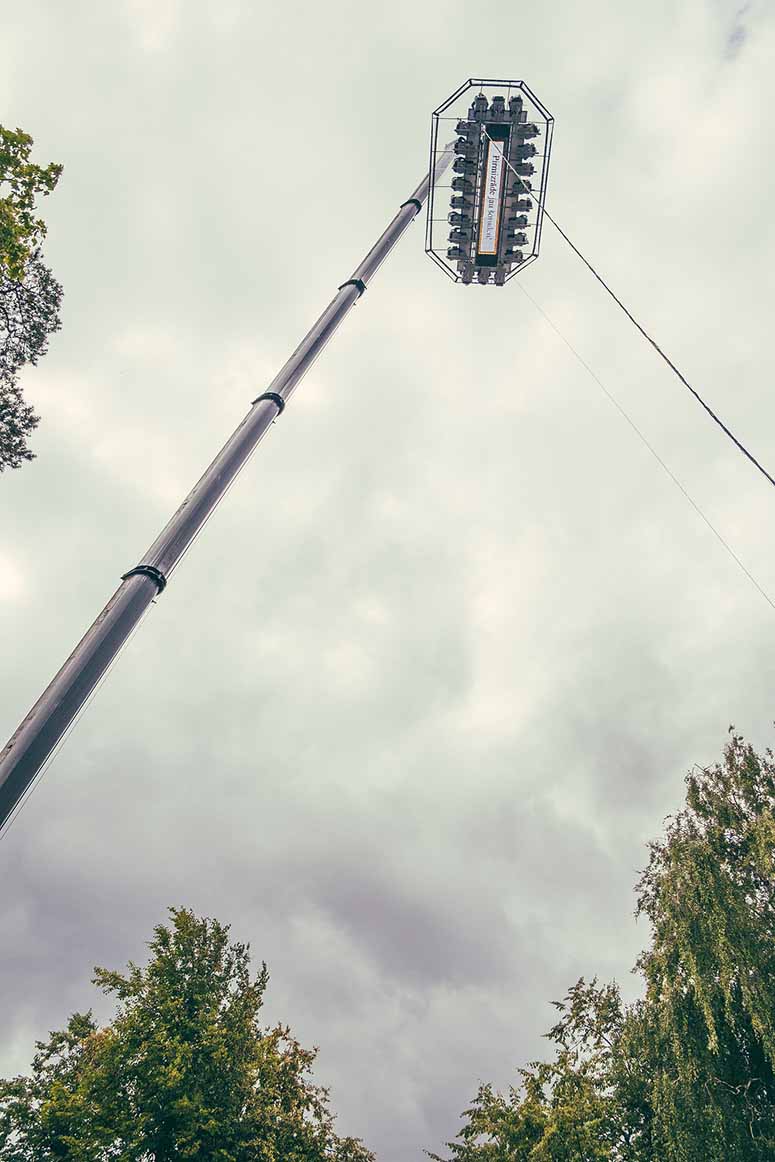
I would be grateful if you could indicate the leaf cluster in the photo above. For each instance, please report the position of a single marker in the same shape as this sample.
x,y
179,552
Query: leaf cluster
x,y
21,181
183,1071
29,313
30,296
687,1073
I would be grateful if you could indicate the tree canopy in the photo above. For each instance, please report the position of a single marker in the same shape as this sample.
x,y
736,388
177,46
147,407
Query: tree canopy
x,y
687,1073
184,1070
21,182
30,296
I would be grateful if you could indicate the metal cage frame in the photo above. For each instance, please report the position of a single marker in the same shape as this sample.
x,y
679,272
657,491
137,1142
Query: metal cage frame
x,y
543,116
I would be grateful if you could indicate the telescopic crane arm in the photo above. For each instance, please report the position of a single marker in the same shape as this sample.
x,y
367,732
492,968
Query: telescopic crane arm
x,y
33,742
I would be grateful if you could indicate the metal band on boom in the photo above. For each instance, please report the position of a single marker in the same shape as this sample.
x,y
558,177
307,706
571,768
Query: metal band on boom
x,y
276,399
358,283
147,571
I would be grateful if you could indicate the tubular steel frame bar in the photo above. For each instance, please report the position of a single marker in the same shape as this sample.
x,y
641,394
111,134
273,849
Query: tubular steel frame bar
x,y
32,744
434,252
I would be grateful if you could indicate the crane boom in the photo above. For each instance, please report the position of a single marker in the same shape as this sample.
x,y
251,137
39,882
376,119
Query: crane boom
x,y
33,742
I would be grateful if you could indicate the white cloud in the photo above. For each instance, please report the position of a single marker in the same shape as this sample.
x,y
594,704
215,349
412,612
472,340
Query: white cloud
x,y
154,23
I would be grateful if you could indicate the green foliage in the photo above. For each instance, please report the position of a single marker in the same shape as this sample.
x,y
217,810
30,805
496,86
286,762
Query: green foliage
x,y
20,183
586,1104
17,420
29,313
709,892
183,1071
687,1074
30,296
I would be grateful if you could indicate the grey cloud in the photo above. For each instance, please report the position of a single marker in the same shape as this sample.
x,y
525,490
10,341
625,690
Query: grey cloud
x,y
414,702
738,34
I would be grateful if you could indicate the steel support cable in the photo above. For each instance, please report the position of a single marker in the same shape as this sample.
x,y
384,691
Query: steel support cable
x,y
717,419
665,467
630,421
676,371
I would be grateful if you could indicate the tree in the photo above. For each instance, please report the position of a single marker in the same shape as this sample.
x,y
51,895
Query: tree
x,y
183,1071
17,420
30,296
709,892
587,1105
687,1073
21,182
29,313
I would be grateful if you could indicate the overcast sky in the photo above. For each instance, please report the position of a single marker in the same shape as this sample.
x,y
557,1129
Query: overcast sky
x,y
433,674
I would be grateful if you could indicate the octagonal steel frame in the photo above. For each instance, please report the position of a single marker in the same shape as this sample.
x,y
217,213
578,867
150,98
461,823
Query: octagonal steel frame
x,y
434,218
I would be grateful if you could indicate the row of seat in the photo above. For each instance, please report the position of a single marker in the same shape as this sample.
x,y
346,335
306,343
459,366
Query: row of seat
x,y
469,150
